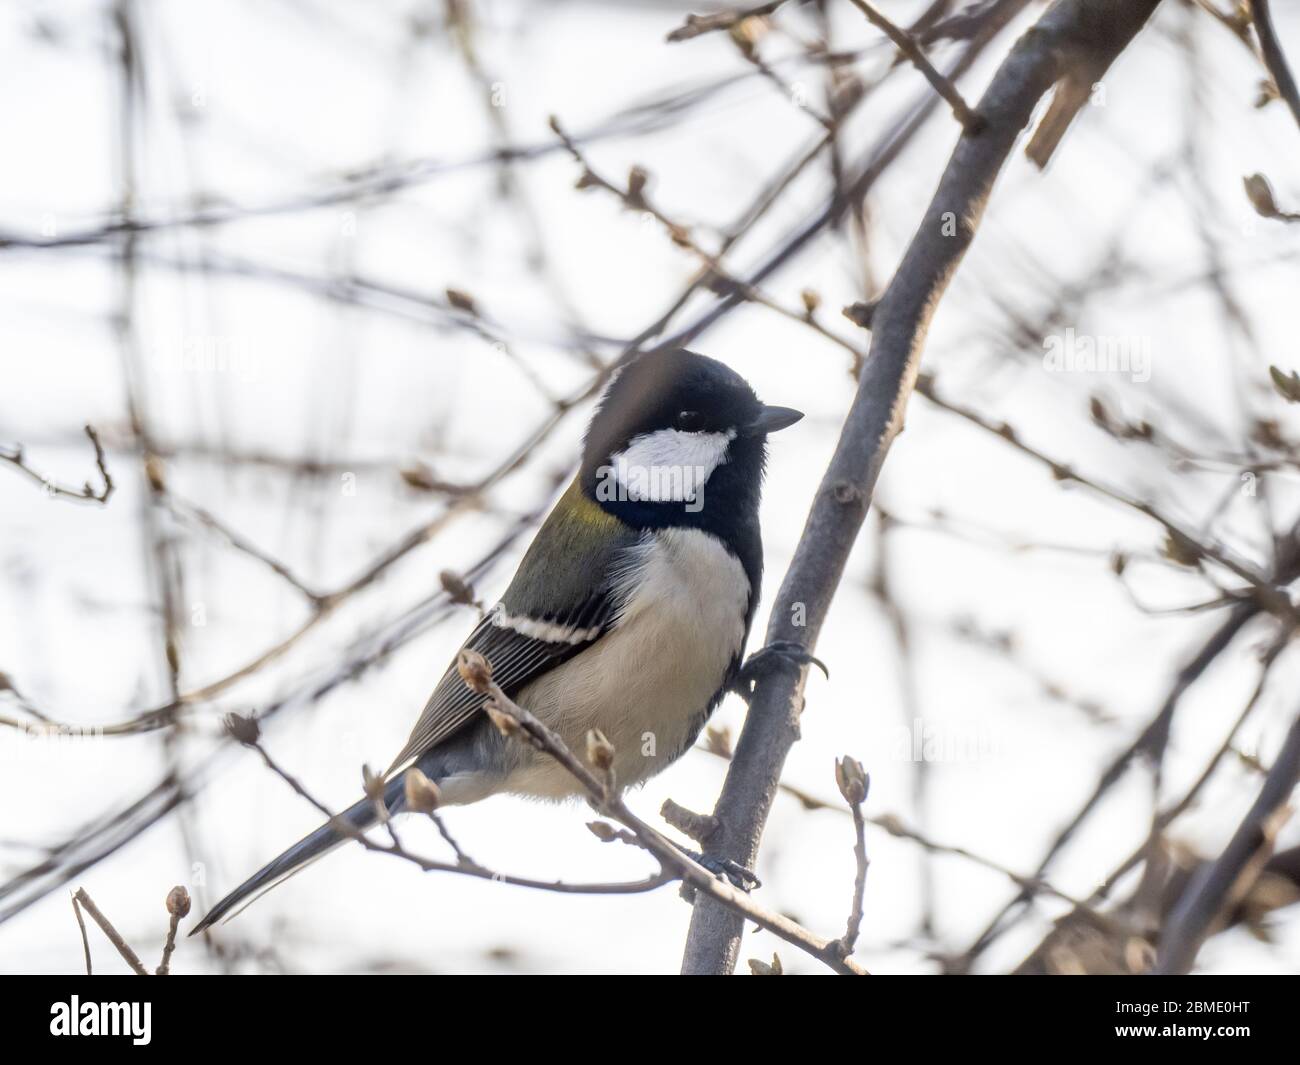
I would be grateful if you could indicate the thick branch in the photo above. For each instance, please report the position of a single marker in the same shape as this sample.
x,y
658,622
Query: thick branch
x,y
1037,61
1274,58
1214,893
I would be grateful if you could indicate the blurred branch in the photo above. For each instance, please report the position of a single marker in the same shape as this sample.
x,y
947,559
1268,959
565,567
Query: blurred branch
x,y
1216,889
1274,57
1086,924
899,328
697,25
84,494
1153,740
718,745
208,521
971,122
1186,545
716,277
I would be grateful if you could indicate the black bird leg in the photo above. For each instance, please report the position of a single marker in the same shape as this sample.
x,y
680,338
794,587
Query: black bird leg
x,y
741,878
777,655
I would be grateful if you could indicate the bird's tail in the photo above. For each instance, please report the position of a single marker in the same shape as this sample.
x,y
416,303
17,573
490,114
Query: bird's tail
x,y
359,816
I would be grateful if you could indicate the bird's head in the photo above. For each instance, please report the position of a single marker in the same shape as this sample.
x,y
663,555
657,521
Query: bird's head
x,y
676,435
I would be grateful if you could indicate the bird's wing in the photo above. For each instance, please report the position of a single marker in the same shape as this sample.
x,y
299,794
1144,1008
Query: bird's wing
x,y
567,593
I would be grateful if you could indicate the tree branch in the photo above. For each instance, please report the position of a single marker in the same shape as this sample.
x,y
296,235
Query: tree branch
x,y
1274,58
84,494
1215,891
970,121
106,926
1037,61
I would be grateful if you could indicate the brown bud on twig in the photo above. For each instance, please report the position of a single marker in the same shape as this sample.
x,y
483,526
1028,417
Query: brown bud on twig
x,y
811,301
178,901
462,301
505,724
680,235
600,752
1287,385
852,780
459,589
373,784
1181,550
245,730
153,469
637,179
761,968
420,477
603,831
422,794
860,314
1260,194
717,740
475,671
746,33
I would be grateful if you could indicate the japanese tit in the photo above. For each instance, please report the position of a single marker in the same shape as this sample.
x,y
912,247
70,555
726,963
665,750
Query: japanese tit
x,y
628,614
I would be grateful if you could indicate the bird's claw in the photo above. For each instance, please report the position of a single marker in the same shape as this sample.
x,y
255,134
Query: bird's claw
x,y
741,878
767,660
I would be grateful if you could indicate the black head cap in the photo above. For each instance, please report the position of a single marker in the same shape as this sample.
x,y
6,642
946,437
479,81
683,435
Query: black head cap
x,y
690,394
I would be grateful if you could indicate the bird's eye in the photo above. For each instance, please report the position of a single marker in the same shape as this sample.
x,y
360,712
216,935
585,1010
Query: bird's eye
x,y
688,420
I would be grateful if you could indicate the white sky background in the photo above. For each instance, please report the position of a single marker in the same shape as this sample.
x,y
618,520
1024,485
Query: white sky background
x,y
267,104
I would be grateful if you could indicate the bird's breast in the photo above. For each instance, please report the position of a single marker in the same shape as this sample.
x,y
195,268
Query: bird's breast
x,y
647,683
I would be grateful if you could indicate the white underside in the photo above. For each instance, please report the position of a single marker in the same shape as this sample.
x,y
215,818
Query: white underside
x,y
645,682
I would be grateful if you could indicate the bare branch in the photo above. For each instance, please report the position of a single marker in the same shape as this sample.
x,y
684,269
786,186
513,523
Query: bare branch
x,y
84,494
1274,57
114,937
178,906
698,25
854,785
85,941
900,325
1220,885
970,121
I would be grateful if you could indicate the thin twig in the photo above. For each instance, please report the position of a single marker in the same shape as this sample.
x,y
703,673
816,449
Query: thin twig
x,y
1220,884
854,785
106,926
85,941
178,905
970,120
698,25
84,494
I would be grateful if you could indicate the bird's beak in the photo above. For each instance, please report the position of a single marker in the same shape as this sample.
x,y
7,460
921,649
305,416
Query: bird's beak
x,y
770,419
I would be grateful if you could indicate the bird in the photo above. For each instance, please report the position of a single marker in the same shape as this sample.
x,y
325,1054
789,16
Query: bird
x,y
629,611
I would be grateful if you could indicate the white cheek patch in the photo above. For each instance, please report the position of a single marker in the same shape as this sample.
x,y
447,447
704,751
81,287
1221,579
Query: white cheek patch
x,y
669,465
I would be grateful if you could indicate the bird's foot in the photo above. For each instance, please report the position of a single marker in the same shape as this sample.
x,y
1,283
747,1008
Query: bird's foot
x,y
741,878
777,655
